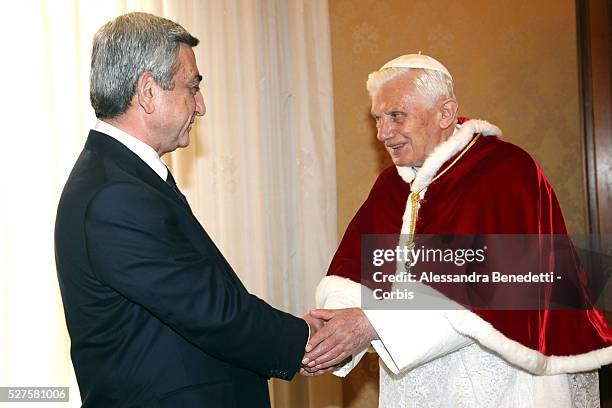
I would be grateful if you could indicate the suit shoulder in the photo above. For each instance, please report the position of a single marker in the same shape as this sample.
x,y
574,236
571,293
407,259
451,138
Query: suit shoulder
x,y
124,197
88,175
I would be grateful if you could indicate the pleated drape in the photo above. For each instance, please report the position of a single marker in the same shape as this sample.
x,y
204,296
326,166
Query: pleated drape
x,y
259,173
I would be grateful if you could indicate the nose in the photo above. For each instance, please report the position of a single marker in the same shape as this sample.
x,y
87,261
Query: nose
x,y
200,108
384,130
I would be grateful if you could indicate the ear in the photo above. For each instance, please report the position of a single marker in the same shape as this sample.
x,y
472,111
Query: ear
x,y
448,112
146,91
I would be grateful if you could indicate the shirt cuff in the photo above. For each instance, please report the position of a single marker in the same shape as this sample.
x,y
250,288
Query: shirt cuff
x,y
410,338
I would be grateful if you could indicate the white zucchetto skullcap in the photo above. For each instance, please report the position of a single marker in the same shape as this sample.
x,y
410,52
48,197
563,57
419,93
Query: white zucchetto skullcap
x,y
417,61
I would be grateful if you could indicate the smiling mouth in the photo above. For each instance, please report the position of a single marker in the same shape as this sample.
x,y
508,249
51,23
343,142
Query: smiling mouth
x,y
397,146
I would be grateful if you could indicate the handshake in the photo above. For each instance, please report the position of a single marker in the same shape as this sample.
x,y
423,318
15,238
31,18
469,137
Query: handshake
x,y
334,336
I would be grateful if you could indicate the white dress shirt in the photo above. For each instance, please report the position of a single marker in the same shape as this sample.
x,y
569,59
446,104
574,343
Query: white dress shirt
x,y
138,147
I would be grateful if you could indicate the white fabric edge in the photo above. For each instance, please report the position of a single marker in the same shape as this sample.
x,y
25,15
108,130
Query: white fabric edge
x,y
436,336
462,135
473,326
419,60
411,338
335,292
552,391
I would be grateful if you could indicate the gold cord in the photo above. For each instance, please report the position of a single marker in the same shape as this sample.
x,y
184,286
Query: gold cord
x,y
415,196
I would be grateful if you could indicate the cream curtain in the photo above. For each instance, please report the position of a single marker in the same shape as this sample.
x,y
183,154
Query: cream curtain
x,y
260,172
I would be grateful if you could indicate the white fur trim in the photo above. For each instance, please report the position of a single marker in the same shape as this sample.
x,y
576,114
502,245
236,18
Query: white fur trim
x,y
336,292
472,325
406,173
462,135
421,177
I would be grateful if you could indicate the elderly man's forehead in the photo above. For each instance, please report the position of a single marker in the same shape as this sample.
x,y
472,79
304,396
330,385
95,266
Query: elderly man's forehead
x,y
402,83
398,90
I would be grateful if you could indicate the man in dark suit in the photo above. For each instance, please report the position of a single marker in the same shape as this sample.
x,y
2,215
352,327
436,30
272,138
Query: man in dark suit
x,y
156,315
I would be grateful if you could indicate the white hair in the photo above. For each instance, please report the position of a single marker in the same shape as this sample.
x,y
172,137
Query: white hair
x,y
433,85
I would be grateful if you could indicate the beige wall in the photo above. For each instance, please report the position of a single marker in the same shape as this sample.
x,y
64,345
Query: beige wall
x,y
514,64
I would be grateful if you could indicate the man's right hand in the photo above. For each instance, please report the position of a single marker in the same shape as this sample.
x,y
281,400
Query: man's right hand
x,y
314,325
345,332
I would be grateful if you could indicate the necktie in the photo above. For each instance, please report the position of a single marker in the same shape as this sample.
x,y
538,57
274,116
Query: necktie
x,y
174,187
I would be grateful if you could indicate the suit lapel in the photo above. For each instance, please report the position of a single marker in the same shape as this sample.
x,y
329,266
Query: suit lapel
x,y
130,162
135,166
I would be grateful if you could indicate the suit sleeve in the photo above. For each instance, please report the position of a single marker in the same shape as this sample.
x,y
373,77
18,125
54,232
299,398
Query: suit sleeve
x,y
135,246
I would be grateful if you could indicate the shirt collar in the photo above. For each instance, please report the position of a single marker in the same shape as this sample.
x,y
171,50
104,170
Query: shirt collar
x,y
138,147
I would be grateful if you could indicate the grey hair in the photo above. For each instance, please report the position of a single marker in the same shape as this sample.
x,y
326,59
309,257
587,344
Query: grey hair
x,y
433,85
125,48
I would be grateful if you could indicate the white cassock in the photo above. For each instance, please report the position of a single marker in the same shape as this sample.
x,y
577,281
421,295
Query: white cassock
x,y
426,362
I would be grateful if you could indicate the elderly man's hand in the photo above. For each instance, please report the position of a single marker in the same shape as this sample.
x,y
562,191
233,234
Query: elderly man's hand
x,y
345,332
314,323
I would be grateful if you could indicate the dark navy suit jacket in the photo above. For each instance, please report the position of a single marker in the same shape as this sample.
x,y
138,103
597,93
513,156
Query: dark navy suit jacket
x,y
156,315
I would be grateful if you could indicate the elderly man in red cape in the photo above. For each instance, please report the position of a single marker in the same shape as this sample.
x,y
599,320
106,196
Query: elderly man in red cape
x,y
456,176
